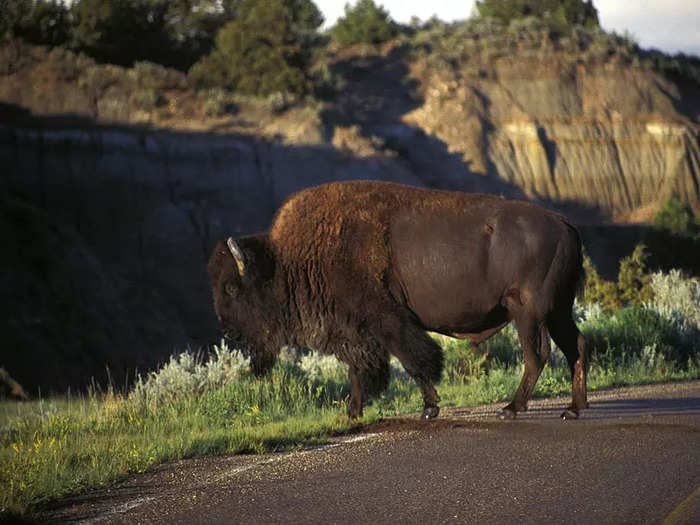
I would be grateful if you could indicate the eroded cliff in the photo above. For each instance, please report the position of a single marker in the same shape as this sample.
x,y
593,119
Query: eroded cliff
x,y
609,137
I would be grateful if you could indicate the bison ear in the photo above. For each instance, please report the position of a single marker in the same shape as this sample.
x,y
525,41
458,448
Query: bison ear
x,y
237,255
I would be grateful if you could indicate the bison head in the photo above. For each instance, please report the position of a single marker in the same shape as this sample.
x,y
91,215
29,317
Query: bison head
x,y
241,273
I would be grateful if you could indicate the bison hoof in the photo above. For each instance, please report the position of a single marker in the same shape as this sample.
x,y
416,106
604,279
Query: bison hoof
x,y
569,413
430,413
507,414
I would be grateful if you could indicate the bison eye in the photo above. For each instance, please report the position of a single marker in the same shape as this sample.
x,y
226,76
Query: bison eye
x,y
230,288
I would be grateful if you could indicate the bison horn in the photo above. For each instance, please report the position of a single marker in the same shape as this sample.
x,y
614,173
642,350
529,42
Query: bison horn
x,y
237,255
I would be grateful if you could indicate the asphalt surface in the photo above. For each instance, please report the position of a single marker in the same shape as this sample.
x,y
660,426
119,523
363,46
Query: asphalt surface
x,y
633,458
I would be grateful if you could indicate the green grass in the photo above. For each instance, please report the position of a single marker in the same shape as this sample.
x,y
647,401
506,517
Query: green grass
x,y
53,448
192,407
498,385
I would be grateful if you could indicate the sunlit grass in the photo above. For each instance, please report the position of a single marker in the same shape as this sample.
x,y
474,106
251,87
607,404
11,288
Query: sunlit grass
x,y
52,448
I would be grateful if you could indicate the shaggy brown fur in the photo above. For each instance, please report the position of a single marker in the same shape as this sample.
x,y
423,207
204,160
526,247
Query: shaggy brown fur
x,y
362,269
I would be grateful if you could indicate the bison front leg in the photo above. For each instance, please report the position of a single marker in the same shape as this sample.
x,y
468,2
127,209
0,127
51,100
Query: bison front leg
x,y
356,392
431,401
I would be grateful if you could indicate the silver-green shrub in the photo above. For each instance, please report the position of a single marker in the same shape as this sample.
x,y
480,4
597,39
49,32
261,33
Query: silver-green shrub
x,y
676,296
677,299
585,312
188,374
319,366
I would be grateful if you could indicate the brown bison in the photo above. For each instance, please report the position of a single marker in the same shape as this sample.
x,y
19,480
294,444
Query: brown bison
x,y
362,269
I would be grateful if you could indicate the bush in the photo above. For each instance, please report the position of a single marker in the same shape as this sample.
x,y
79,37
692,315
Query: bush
x,y
365,23
218,102
674,217
634,331
317,366
147,99
188,375
326,84
121,31
597,290
264,50
66,65
633,279
42,23
462,360
473,44
663,324
559,14
676,297
633,282
154,76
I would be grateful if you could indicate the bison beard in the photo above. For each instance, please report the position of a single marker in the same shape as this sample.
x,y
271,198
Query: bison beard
x,y
362,269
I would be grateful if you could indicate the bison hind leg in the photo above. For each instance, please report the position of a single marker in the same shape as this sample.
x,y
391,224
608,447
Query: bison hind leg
x,y
535,342
572,343
422,358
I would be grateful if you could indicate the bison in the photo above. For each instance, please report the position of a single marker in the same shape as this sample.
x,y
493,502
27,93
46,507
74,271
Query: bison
x,y
363,269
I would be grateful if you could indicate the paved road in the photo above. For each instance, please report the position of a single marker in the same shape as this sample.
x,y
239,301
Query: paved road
x,y
634,458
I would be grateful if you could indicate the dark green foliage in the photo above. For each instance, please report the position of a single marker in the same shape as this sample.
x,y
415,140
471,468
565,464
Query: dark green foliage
x,y
674,242
636,331
633,279
326,83
633,286
674,217
42,22
559,14
191,27
597,289
462,360
306,17
121,31
265,49
364,23
174,33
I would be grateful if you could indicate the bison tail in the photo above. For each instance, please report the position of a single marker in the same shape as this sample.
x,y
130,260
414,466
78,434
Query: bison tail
x,y
578,273
570,275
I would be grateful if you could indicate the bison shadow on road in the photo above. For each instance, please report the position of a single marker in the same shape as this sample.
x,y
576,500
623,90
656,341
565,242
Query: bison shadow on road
x,y
598,410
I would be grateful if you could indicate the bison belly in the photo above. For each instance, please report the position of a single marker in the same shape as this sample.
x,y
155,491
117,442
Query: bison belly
x,y
440,269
